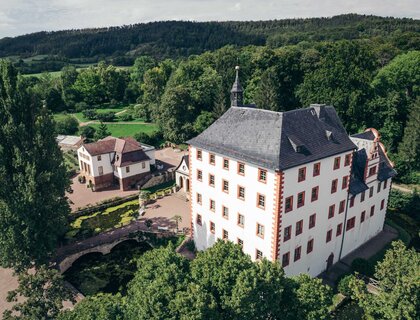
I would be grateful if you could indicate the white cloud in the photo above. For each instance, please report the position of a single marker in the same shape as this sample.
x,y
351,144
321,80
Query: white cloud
x,y
25,16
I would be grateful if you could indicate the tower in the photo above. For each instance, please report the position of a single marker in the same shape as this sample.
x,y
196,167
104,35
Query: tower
x,y
236,94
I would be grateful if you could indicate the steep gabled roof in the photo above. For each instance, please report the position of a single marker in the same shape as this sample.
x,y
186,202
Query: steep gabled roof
x,y
385,170
357,183
367,135
276,140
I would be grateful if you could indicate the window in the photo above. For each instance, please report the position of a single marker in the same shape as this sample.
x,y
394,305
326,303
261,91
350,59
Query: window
x,y
370,192
198,220
225,185
99,158
314,194
285,260
362,216
199,199
336,163
199,175
312,219
225,235
331,210
362,196
299,227
101,170
317,169
260,201
212,158
211,180
339,230
260,230
127,169
225,212
199,155
258,254
347,160
212,205
342,206
334,185
241,193
289,204
287,233
350,223
372,171
382,204
385,183
262,175
301,199
379,187
372,210
212,227
143,165
226,164
241,168
241,242
297,253
345,182
241,220
310,246
329,236
301,174
352,201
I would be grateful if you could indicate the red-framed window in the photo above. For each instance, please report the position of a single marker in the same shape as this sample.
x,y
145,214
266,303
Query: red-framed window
x,y
370,192
379,187
225,212
199,175
352,201
301,199
302,174
225,234
288,204
199,220
199,198
329,236
212,227
362,196
225,164
312,220
241,168
241,193
334,185
212,159
225,186
336,163
382,204
241,243
258,254
299,227
298,252
350,223
241,220
362,216
372,210
314,193
339,230
262,175
260,230
287,233
347,160
285,259
372,171
341,206
199,155
211,180
345,182
310,246
260,201
212,205
385,184
317,169
331,211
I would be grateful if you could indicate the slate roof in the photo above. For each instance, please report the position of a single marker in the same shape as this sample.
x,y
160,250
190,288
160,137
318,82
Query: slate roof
x,y
367,135
276,140
357,183
185,158
385,170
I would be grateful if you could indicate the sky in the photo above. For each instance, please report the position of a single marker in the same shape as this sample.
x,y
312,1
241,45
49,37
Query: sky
x,y
26,16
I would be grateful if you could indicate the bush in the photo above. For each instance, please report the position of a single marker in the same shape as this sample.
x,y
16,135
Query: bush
x,y
343,285
404,202
90,114
126,116
67,125
106,116
362,266
80,106
154,139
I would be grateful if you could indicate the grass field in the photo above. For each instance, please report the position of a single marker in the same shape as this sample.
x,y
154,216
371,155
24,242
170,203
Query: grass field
x,y
128,130
81,118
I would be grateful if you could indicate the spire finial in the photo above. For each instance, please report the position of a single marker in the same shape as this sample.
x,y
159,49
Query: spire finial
x,y
237,91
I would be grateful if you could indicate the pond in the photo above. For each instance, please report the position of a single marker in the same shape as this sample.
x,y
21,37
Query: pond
x,y
94,272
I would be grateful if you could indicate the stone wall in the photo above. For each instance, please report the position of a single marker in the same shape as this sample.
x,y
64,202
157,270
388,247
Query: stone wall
x,y
159,179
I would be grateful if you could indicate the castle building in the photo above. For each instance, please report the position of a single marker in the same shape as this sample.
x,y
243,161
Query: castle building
x,y
289,186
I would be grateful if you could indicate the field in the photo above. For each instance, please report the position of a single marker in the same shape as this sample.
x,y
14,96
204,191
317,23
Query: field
x,y
81,118
128,130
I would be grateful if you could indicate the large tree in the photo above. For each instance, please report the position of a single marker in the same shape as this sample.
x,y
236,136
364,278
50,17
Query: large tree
x,y
33,207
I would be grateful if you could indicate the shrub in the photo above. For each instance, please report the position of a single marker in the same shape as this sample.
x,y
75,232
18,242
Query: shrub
x,y
106,116
67,125
80,106
126,116
90,114
362,266
343,285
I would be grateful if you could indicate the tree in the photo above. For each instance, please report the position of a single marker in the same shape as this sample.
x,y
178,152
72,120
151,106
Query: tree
x,y
102,132
220,106
42,294
141,65
90,86
99,307
33,207
203,121
87,132
67,125
106,116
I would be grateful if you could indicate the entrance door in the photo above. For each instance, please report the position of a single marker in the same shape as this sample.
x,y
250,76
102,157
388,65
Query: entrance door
x,y
330,261
181,183
188,185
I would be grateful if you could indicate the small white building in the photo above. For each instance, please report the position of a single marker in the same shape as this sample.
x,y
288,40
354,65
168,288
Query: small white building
x,y
110,161
69,142
287,185
182,175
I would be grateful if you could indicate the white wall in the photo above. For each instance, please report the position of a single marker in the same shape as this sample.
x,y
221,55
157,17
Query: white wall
x,y
202,235
94,163
314,262
135,169
150,151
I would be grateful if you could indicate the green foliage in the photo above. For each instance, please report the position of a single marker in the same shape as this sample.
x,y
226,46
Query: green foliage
x,y
102,132
40,293
362,266
87,132
106,116
67,125
90,114
32,170
203,121
344,285
154,139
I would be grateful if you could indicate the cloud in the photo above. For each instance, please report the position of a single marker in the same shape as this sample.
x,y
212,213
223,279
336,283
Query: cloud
x,y
25,16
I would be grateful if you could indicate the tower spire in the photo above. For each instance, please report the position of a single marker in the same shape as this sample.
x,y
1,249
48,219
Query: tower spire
x,y
236,94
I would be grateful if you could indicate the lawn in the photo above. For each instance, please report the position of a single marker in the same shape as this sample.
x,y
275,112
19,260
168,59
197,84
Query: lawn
x,y
128,130
80,117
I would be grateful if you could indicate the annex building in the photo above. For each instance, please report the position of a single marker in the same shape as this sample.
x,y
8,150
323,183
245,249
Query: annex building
x,y
110,161
290,186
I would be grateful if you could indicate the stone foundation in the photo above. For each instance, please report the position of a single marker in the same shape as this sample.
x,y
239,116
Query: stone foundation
x,y
130,182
